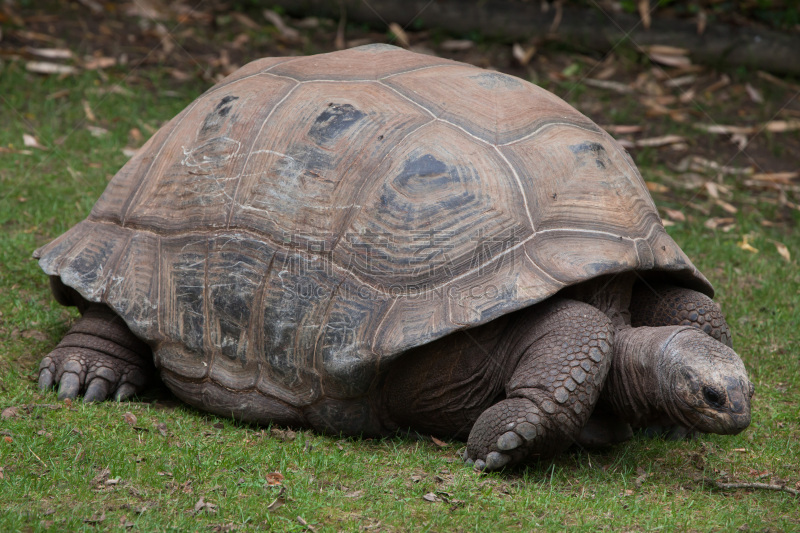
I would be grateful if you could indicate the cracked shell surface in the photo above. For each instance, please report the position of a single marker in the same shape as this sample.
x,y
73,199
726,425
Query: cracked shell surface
x,y
306,220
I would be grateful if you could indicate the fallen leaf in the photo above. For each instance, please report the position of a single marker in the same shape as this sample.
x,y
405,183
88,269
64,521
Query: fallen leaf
x,y
747,247
50,53
438,442
653,186
723,129
457,45
723,223
202,504
162,429
96,63
354,494
644,12
431,497
114,481
9,412
728,208
776,177
754,94
45,67
31,142
130,418
400,34
274,478
287,33
674,214
97,131
619,129
780,126
522,55
783,250
8,439
609,85
130,152
88,112
663,140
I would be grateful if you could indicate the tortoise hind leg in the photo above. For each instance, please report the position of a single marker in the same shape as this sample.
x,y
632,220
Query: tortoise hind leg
x,y
659,304
565,350
98,356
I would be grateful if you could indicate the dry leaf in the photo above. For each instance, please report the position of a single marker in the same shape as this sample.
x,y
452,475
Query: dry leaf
x,y
754,94
609,85
644,12
438,442
783,250
653,186
95,63
713,190
400,34
130,418
457,45
44,67
31,142
522,55
720,128
723,223
97,131
9,412
618,129
50,53
274,478
746,246
674,214
670,60
130,152
88,111
287,33
728,208
202,504
431,497
780,126
664,140
162,429
776,177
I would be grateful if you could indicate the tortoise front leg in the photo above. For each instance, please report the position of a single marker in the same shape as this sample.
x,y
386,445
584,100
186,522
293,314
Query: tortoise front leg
x,y
100,357
659,304
564,351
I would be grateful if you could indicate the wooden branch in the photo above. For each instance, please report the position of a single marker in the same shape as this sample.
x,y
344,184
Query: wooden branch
x,y
588,28
764,486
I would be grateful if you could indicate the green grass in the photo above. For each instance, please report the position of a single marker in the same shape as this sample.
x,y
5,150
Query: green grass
x,y
69,467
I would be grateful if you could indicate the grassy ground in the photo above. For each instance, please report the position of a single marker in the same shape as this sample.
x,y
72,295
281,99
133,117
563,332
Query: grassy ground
x,y
157,465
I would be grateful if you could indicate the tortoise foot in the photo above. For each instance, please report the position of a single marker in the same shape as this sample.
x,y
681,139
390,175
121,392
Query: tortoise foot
x,y
99,358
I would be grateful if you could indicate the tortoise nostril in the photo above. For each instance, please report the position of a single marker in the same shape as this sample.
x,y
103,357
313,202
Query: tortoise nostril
x,y
713,397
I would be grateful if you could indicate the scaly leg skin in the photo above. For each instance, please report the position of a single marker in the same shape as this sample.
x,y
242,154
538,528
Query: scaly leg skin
x,y
565,353
98,357
659,304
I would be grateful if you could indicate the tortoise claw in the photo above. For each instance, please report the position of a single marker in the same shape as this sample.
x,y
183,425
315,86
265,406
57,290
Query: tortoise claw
x,y
125,391
70,385
45,379
97,391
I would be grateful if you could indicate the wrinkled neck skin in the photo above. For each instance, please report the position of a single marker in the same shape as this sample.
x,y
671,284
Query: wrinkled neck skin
x,y
633,387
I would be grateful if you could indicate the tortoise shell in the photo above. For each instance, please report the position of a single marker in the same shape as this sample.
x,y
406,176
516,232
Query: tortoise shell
x,y
308,219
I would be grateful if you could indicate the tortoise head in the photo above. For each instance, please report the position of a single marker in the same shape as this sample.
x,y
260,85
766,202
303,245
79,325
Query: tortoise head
x,y
704,384
672,376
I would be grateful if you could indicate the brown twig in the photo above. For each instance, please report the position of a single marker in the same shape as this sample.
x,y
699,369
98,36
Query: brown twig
x,y
765,486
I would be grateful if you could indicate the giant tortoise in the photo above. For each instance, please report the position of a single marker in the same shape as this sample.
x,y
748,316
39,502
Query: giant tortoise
x,y
373,239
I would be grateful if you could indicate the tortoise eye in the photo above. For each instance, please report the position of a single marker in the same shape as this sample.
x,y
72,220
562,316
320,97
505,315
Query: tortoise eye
x,y
713,397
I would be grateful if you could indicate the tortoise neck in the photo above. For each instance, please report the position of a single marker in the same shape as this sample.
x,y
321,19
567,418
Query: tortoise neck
x,y
634,383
